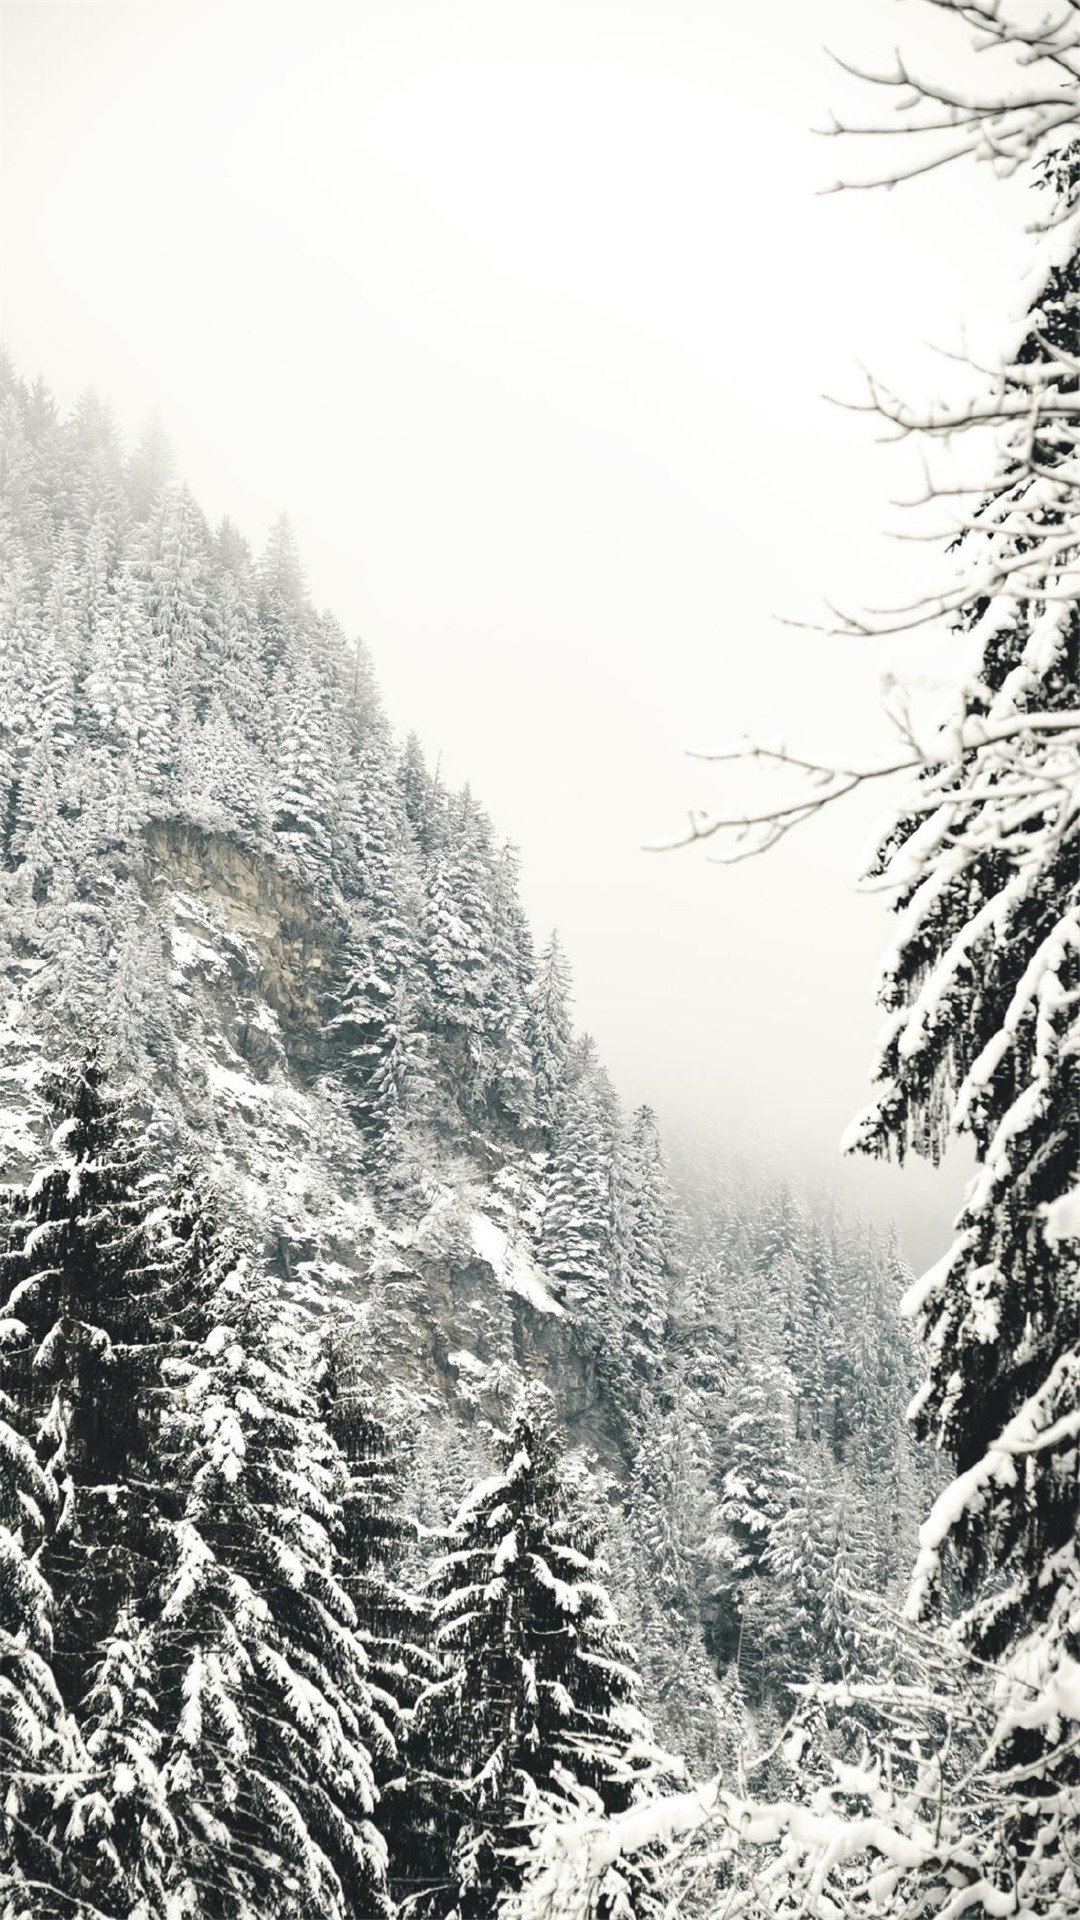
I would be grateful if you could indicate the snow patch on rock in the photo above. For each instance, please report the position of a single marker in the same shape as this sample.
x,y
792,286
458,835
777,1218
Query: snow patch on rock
x,y
512,1265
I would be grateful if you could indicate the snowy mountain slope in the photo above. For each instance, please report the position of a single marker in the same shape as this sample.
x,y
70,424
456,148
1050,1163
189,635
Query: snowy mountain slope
x,y
305,965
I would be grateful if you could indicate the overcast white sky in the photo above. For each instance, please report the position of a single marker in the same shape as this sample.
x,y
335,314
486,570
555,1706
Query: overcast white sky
x,y
524,313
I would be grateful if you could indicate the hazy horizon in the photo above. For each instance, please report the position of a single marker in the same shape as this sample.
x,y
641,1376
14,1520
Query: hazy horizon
x,y
551,437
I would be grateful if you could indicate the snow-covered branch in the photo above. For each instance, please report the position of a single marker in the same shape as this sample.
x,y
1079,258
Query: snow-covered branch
x,y
974,771
906,1807
1006,117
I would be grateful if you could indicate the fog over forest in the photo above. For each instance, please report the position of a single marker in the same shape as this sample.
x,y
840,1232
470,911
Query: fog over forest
x,y
540,961
525,317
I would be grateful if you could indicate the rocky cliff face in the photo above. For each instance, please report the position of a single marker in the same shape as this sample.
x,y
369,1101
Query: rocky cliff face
x,y
447,1308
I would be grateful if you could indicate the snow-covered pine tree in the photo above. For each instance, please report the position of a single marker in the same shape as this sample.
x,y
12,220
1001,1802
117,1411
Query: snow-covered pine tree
x,y
797,1566
506,1010
240,664
90,471
21,645
189,1718
40,1747
377,1532
378,1009
264,1695
100,549
420,792
982,991
673,1522
30,441
130,725
282,595
648,1236
149,469
86,1277
306,774
578,1236
38,831
457,940
807,1277
223,778
131,992
550,1030
755,1455
540,1686
367,1047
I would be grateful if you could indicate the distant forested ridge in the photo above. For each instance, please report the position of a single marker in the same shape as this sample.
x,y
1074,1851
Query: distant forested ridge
x,y
390,1433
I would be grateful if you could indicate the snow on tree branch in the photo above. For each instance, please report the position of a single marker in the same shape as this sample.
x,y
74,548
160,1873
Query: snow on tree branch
x,y
1007,120
999,766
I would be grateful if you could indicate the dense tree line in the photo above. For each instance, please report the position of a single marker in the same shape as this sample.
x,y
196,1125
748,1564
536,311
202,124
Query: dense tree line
x,y
216,1695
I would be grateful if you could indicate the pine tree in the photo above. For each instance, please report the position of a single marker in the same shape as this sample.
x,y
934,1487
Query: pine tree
x,y
540,1685
379,1007
981,996
132,996
39,1741
648,1236
264,1691
506,1012
149,470
187,1706
798,1563
222,780
377,1536
126,690
550,1031
37,830
306,773
90,473
86,1276
674,1526
420,793
457,941
756,1487
31,491
282,596
21,645
368,1048
578,1237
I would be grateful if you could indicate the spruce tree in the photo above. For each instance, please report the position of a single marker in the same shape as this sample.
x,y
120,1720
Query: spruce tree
x,y
981,994
506,1011
40,1745
539,1689
378,1539
270,1723
21,645
457,954
755,1449
648,1240
86,1276
419,791
130,724
550,1032
578,1236
149,469
305,779
379,1003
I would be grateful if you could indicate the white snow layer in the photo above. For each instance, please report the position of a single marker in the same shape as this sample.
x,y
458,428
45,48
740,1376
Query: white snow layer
x,y
1062,1217
512,1265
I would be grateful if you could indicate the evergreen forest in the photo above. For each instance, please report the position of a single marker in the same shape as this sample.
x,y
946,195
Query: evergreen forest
x,y
427,1493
